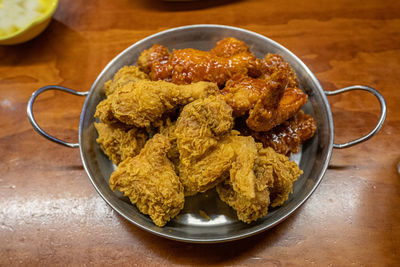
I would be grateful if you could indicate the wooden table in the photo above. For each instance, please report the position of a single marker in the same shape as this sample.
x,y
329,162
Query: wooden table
x,y
50,213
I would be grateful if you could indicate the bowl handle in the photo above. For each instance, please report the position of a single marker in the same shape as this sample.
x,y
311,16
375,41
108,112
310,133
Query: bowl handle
x,y
35,126
381,119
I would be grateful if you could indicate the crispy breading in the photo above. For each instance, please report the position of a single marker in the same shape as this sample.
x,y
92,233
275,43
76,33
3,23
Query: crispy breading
x,y
259,177
119,143
143,102
247,189
150,182
285,173
124,75
200,129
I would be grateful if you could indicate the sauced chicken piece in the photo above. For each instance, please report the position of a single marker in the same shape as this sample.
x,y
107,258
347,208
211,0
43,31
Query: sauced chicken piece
x,y
268,102
291,102
185,66
289,136
143,102
204,156
257,97
229,46
157,54
123,76
119,142
150,182
273,63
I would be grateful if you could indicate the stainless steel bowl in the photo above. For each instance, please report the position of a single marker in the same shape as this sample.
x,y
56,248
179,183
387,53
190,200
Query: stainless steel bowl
x,y
223,225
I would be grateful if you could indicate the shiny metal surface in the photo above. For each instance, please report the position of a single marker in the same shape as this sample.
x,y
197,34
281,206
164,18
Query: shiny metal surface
x,y
382,117
35,125
223,225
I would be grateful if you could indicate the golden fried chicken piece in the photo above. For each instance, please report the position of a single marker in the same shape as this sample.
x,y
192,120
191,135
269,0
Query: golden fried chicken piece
x,y
185,66
119,143
209,170
292,101
150,182
204,157
143,102
259,177
287,137
229,46
273,63
105,114
168,130
124,75
247,189
242,176
285,173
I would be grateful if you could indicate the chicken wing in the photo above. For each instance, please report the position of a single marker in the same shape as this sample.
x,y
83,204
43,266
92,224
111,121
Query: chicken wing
x,y
273,63
123,76
185,66
150,182
292,101
229,46
248,95
157,54
204,156
119,143
287,137
143,102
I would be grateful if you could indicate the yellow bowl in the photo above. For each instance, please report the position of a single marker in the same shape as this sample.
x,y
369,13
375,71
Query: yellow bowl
x,y
34,28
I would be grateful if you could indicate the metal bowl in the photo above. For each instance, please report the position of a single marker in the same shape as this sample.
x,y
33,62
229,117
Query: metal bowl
x,y
223,225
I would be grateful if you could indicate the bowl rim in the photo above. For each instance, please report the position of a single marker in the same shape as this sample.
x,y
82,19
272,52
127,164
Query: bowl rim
x,y
39,20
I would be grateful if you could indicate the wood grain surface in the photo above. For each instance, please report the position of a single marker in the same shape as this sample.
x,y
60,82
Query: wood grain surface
x,y
51,215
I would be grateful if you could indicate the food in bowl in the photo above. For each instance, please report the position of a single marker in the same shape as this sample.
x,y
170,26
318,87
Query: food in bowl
x,y
186,121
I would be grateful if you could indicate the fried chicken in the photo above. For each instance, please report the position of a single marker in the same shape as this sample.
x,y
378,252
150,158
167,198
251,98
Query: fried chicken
x,y
292,101
273,63
150,182
157,54
257,97
168,130
143,102
287,137
185,66
285,173
247,189
175,97
259,177
200,130
123,76
268,102
230,46
119,143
